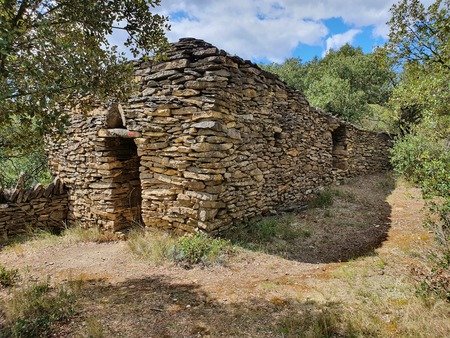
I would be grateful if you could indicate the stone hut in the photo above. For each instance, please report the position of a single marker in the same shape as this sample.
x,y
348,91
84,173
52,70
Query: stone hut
x,y
209,140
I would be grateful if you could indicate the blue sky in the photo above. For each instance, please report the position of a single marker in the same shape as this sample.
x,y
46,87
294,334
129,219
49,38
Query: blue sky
x,y
273,30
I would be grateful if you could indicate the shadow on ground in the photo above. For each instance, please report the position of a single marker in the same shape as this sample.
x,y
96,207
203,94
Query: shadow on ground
x,y
155,307
353,223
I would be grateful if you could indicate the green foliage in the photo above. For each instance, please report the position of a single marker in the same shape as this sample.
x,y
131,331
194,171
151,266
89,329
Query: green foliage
x,y
345,82
291,70
274,227
34,310
323,199
271,234
425,160
420,34
55,55
8,277
200,248
437,281
197,248
33,164
420,42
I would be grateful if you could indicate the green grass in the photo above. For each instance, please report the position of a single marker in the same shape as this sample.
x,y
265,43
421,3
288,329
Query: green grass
x,y
156,246
323,199
8,277
322,321
34,311
78,234
42,237
271,234
199,248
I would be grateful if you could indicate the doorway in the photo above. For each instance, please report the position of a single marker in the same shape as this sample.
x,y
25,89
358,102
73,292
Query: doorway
x,y
340,152
126,195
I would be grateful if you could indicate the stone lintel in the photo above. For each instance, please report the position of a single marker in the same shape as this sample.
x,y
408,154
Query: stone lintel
x,y
118,132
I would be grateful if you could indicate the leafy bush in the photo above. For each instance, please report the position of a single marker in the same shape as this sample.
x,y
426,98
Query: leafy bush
x,y
425,161
200,248
196,248
8,277
437,281
32,312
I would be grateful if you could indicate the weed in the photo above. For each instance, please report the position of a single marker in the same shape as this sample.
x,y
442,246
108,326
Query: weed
x,y
17,249
387,184
323,322
437,281
200,248
156,246
78,234
267,229
271,234
94,328
8,277
39,236
328,213
345,195
324,199
380,263
34,310
270,285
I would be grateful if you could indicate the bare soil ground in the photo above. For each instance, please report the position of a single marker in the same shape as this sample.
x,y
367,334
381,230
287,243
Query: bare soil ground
x,y
356,260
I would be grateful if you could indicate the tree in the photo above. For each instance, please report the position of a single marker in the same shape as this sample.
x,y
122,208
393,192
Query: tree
x,y
419,42
345,82
55,54
291,70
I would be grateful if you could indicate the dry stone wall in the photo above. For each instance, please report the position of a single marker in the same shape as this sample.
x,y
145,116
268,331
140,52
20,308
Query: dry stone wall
x,y
22,209
102,174
209,140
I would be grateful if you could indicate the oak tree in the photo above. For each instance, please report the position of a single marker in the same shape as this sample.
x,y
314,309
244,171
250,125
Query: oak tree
x,y
56,54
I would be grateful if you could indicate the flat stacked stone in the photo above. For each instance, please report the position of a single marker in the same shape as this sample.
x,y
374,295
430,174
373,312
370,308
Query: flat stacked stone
x,y
209,140
22,209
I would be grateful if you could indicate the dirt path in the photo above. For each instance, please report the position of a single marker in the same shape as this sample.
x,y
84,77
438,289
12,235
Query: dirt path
x,y
254,292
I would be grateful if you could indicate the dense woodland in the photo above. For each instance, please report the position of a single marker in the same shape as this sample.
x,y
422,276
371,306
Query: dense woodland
x,y
57,51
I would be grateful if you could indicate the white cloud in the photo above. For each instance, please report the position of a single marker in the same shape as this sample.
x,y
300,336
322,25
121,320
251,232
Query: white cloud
x,y
338,40
272,29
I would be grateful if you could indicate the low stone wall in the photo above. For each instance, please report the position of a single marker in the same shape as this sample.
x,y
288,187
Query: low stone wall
x,y
209,140
22,209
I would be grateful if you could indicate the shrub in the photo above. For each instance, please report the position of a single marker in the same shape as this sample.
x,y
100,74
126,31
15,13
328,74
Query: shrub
x,y
425,161
200,248
437,281
196,248
8,277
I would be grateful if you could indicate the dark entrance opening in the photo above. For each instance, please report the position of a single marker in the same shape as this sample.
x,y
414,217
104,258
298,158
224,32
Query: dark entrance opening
x,y
340,153
126,194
